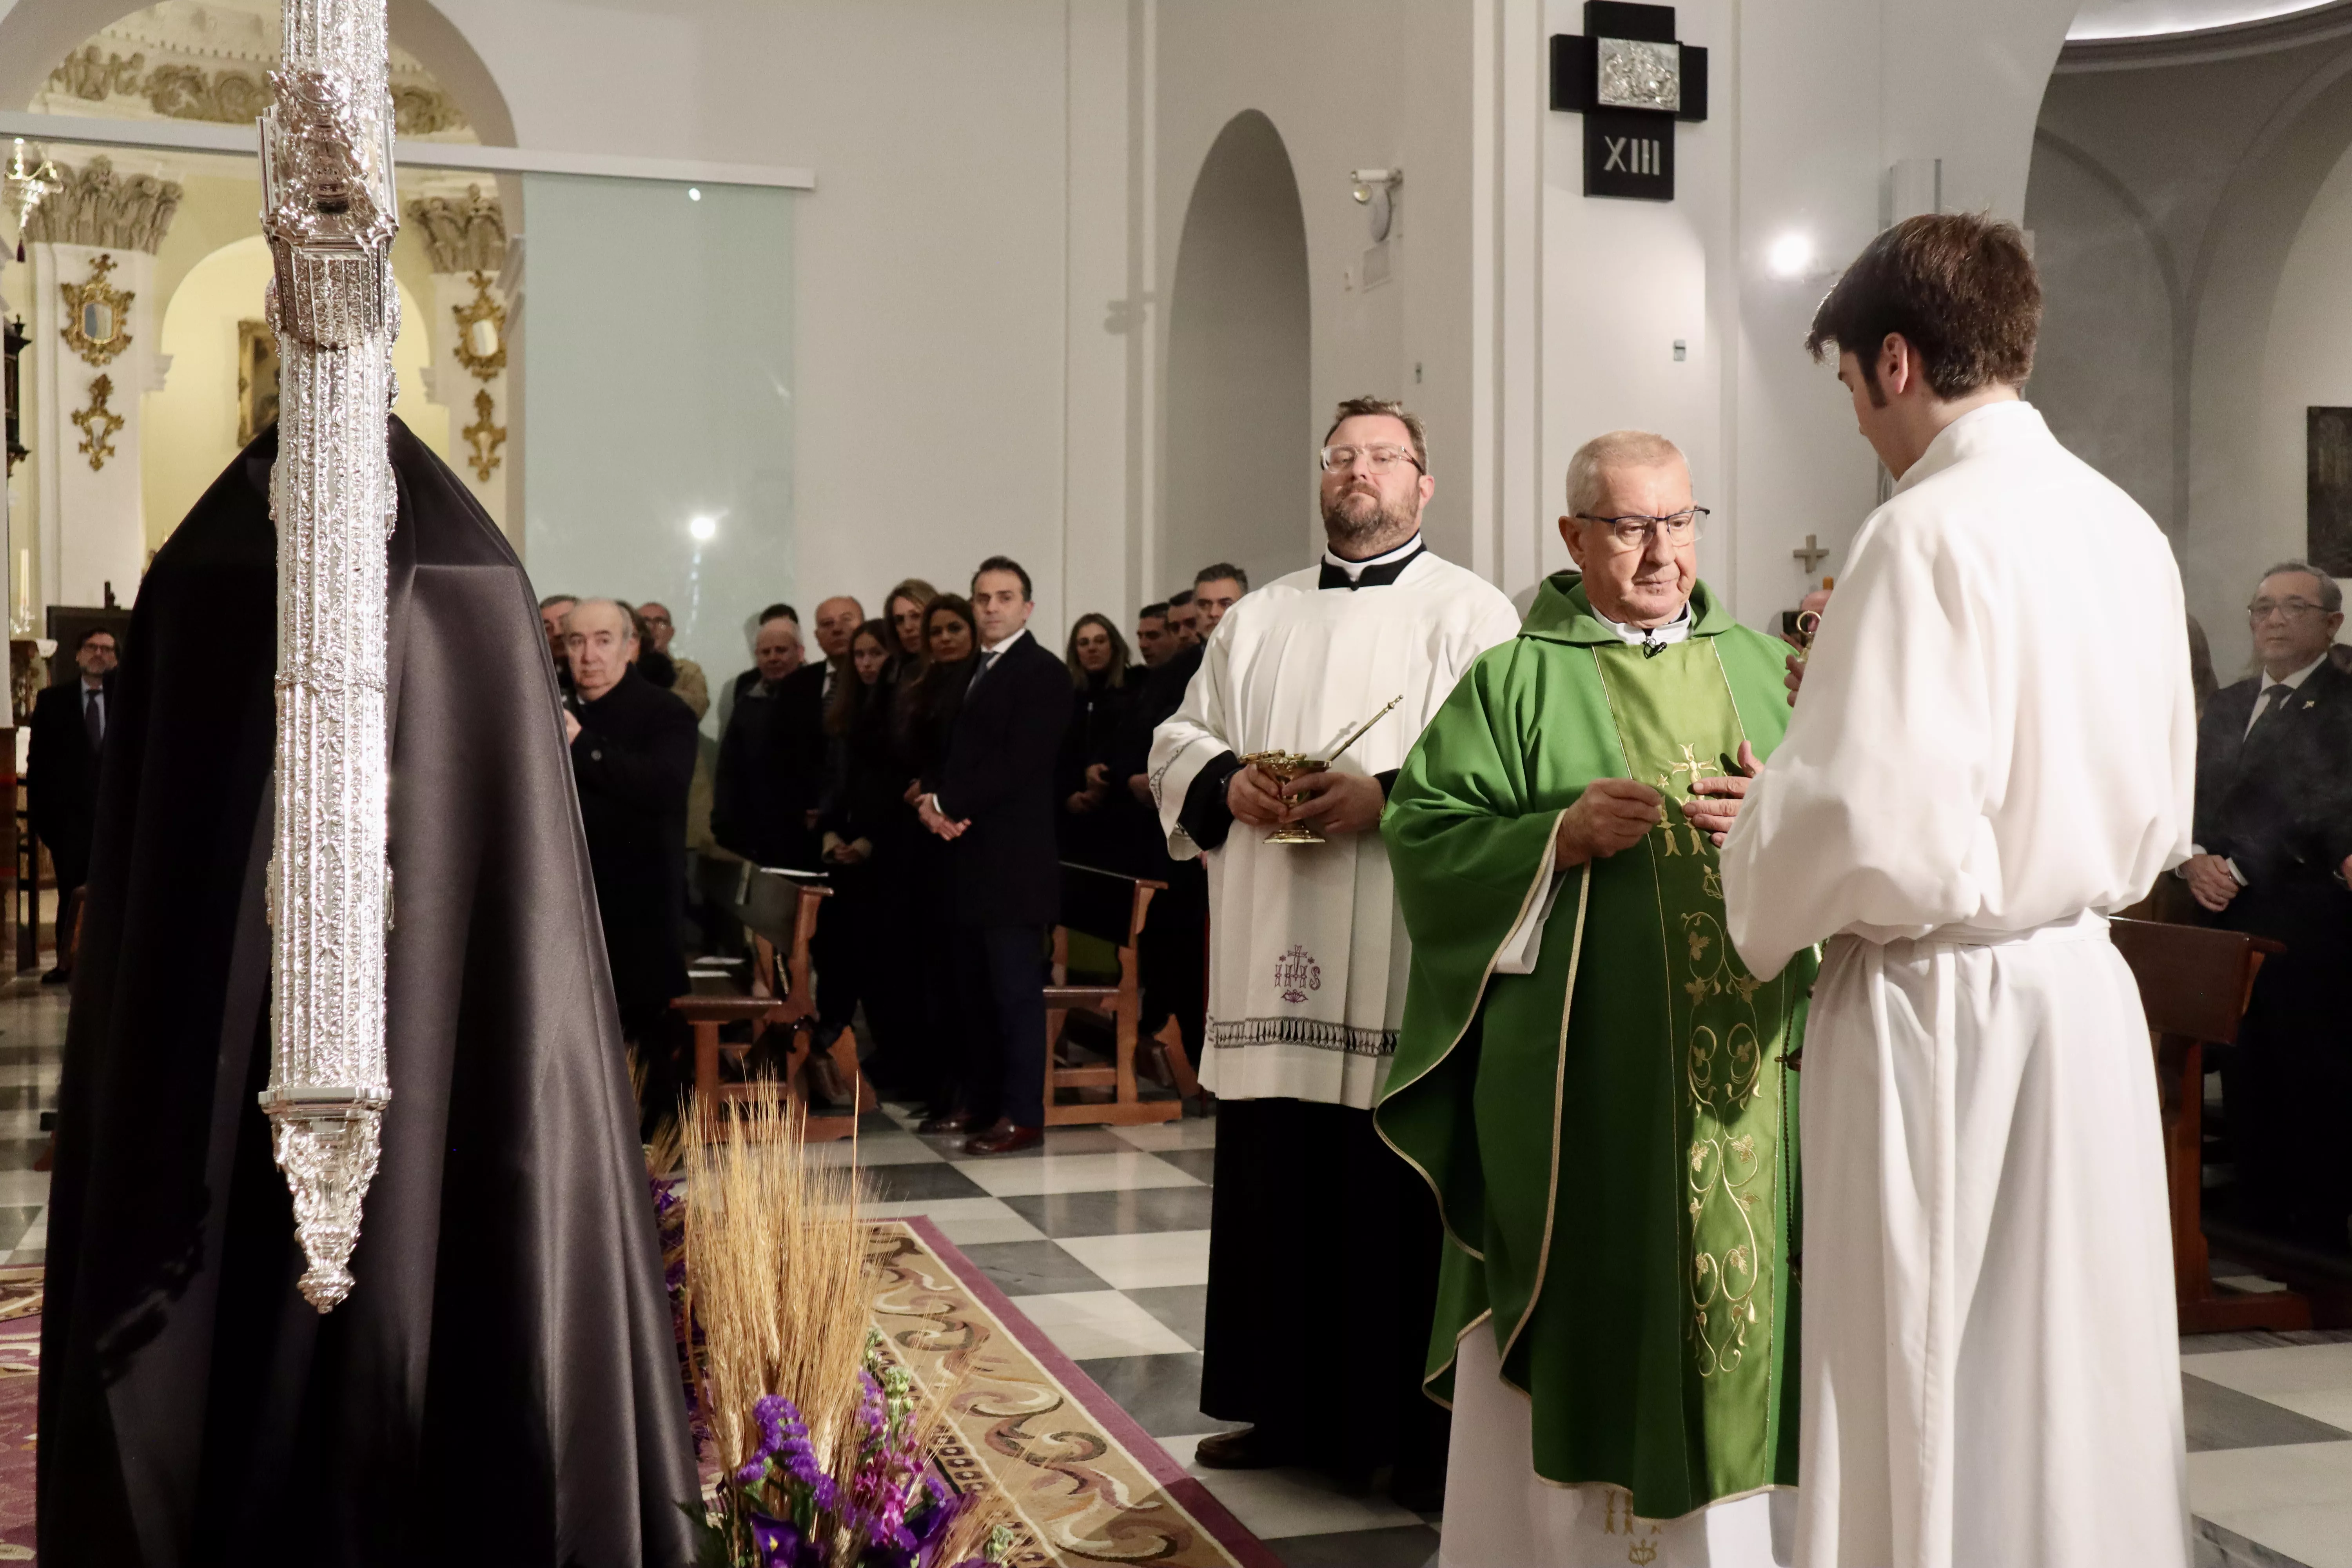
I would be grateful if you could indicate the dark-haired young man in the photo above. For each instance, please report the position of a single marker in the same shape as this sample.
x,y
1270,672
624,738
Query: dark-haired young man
x,y
1994,746
1183,620
993,800
1153,642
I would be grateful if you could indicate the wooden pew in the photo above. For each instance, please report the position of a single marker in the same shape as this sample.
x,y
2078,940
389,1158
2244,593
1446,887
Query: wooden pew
x,y
1110,907
778,910
2194,983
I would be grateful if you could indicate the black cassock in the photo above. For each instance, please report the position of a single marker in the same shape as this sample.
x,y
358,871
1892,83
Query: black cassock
x,y
501,1386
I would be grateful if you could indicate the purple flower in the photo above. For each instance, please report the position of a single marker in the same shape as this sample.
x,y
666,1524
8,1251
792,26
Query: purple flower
x,y
778,1542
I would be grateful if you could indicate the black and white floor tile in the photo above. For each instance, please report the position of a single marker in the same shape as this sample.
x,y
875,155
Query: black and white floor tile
x,y
32,1046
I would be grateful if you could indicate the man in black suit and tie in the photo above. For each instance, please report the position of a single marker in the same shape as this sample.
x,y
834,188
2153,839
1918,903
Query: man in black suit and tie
x,y
68,730
993,800
2273,849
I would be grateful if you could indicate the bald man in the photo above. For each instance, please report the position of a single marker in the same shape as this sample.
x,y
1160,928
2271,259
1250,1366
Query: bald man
x,y
633,760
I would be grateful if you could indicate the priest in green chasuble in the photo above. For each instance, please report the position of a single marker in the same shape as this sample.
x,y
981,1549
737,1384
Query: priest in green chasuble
x,y
1597,1090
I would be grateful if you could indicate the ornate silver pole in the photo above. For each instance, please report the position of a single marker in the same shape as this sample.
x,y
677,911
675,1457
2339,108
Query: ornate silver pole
x,y
329,208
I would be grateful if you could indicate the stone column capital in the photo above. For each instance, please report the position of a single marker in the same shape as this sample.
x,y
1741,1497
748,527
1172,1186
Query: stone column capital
x,y
100,207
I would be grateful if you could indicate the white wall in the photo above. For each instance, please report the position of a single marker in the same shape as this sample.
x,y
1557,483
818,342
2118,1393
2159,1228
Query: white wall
x,y
1000,191
2306,363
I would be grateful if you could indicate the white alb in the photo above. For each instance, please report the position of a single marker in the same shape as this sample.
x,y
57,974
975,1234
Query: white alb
x,y
1994,746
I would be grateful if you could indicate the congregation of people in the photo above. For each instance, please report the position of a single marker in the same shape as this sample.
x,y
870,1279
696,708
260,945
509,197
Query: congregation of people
x,y
1518,1038
936,763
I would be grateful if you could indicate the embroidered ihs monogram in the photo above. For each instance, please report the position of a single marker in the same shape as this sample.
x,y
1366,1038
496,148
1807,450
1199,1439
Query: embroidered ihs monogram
x,y
1620,1520
1296,973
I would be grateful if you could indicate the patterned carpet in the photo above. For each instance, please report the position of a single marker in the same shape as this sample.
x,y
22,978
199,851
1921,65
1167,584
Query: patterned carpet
x,y
20,1369
1086,1483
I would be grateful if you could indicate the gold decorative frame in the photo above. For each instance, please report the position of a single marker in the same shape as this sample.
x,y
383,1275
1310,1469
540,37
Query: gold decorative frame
x,y
483,436
481,308
257,379
98,423
79,297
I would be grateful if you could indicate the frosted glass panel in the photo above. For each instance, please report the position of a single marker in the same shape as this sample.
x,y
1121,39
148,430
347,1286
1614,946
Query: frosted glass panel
x,y
656,410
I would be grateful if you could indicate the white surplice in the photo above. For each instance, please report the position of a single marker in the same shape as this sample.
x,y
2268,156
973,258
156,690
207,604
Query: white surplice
x,y
1995,744
1308,954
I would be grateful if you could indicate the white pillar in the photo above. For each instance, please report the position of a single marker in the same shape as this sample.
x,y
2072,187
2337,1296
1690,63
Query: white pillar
x,y
91,244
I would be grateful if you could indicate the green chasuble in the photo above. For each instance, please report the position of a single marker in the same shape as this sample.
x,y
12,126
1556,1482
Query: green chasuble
x,y
1611,1137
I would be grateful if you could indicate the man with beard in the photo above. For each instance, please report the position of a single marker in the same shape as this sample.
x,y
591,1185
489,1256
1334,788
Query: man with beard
x,y
1307,981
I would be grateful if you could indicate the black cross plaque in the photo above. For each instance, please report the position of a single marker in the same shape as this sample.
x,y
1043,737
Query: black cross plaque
x,y
1631,81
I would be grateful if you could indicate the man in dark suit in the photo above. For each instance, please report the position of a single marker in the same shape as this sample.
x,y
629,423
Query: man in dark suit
x,y
767,778
68,729
633,761
2273,849
994,802
1172,955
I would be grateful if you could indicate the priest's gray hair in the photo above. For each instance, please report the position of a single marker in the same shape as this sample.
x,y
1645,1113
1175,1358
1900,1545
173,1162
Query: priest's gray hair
x,y
1617,450
2331,596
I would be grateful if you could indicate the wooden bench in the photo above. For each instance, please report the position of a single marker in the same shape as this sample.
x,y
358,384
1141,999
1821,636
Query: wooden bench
x,y
2194,985
778,910
1111,908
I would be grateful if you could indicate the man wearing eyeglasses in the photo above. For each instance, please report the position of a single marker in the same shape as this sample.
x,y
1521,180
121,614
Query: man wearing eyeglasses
x,y
2274,850
1597,1088
1308,964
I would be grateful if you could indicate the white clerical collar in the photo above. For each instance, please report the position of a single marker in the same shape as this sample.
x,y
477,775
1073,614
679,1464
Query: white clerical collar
x,y
990,650
2294,682
1355,569
1677,630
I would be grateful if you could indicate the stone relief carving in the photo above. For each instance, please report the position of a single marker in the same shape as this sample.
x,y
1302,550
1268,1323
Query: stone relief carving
x,y
462,233
97,207
179,90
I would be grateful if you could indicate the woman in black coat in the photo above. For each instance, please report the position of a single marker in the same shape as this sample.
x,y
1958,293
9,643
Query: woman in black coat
x,y
863,822
929,694
1101,824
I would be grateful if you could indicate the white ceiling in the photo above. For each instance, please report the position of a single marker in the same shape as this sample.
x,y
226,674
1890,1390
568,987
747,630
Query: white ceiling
x,y
2147,18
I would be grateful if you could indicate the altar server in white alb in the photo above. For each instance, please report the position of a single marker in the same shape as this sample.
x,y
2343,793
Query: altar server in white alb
x,y
1324,1247
1993,746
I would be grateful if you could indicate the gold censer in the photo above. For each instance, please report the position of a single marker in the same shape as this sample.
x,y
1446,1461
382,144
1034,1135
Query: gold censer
x,y
1285,768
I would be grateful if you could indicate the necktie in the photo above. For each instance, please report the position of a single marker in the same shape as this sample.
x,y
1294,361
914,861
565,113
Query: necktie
x,y
93,717
2275,697
987,662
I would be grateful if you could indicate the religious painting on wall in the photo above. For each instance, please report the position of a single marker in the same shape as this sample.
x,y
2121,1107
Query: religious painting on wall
x,y
2328,492
257,379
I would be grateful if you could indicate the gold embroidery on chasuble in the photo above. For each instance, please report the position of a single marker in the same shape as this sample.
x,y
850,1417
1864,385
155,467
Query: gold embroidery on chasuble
x,y
1676,722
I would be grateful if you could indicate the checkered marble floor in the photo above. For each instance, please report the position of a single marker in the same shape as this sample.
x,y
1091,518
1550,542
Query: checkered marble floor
x,y
32,1047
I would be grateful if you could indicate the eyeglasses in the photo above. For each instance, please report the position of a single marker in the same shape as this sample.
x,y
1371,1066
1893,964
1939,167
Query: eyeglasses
x,y
1632,532
2263,609
1379,460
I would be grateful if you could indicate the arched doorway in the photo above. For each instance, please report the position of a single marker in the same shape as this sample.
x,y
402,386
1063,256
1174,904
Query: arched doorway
x,y
1240,486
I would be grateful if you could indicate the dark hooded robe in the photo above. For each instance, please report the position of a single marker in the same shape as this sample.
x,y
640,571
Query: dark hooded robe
x,y
501,1387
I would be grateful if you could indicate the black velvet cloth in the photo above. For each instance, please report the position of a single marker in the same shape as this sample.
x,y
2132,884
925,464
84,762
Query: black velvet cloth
x,y
500,1387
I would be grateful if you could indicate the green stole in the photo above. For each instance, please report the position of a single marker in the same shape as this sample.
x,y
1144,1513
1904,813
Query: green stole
x,y
1611,1137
